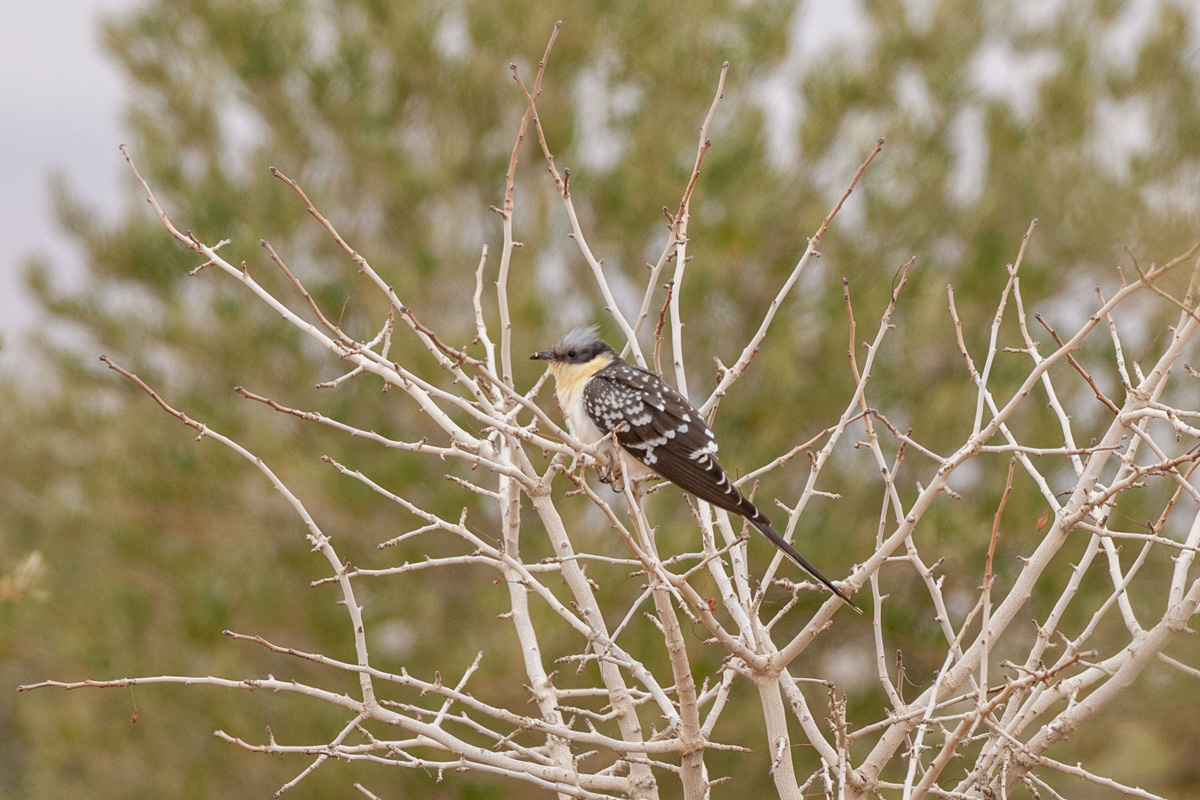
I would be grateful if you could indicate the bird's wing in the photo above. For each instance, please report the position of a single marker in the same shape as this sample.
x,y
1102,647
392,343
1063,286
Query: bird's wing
x,y
661,429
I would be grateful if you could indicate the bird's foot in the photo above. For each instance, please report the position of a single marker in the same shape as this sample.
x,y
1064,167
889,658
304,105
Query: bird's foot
x,y
609,478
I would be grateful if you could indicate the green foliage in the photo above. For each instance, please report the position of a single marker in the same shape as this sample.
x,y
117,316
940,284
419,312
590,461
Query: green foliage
x,y
154,543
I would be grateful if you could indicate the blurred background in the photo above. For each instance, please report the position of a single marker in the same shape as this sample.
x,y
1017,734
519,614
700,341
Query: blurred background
x,y
126,547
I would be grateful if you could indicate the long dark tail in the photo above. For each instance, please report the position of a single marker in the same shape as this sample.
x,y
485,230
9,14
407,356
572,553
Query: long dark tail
x,y
759,520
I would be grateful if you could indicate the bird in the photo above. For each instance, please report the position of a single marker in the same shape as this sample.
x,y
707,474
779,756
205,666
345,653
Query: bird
x,y
602,396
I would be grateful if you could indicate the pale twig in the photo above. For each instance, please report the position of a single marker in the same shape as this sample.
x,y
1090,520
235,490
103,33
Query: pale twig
x,y
597,266
248,684
1148,280
809,632
450,695
331,749
689,598
318,539
383,340
479,490
1183,485
1037,562
1179,665
1118,669
905,438
383,286
751,349
689,731
877,597
789,455
506,215
419,446
685,203
1079,772
980,713
1060,413
1109,404
651,284
1137,537
365,358
962,345
481,331
1118,351
1013,269
988,579
521,401
189,240
658,329
679,238
312,304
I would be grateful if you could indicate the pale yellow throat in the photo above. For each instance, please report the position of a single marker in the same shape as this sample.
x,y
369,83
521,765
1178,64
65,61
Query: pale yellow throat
x,y
569,380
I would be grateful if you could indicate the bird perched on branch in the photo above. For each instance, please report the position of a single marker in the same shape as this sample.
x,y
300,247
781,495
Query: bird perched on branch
x,y
603,395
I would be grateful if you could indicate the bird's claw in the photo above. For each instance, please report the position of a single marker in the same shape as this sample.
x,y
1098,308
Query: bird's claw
x,y
609,478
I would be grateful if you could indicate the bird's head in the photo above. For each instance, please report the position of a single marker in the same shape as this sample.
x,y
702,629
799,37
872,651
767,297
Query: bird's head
x,y
576,356
578,347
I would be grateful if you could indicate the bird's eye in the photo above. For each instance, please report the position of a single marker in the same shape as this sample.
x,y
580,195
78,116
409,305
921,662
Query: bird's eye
x,y
572,354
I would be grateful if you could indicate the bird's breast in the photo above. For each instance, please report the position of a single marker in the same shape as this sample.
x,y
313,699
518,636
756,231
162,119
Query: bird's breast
x,y
569,382
570,397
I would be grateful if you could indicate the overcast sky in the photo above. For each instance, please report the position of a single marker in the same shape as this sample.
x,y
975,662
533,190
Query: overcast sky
x,y
60,109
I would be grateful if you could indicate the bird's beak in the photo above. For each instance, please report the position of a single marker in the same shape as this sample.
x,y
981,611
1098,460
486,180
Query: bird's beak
x,y
541,355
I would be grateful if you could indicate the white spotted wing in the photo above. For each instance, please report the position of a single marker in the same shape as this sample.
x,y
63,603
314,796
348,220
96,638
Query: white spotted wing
x,y
661,429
